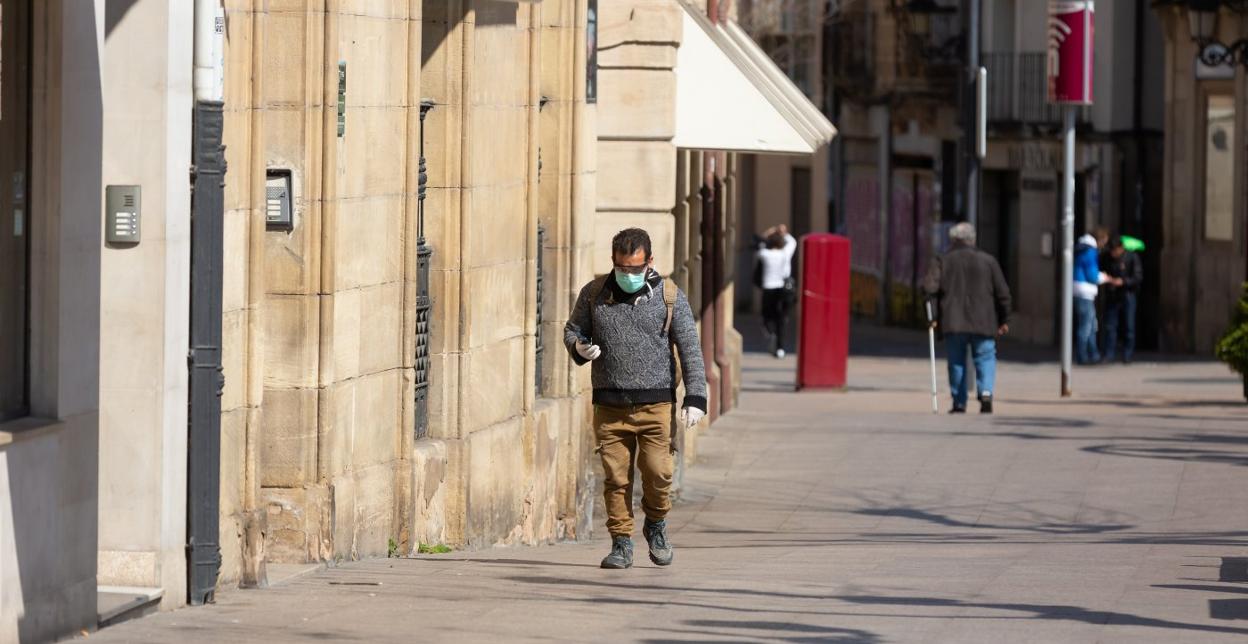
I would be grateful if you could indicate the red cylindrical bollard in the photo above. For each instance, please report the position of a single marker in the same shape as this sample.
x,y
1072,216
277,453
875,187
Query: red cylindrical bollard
x,y
823,335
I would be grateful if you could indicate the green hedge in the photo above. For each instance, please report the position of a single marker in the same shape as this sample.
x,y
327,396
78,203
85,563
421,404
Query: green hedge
x,y
1233,347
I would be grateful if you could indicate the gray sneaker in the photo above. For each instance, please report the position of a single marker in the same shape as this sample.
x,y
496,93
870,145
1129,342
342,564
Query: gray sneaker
x,y
621,554
656,536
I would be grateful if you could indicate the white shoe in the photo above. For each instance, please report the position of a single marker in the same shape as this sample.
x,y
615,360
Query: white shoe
x,y
779,353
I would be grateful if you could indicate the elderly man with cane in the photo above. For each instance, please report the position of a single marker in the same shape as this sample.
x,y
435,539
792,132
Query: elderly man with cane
x,y
973,308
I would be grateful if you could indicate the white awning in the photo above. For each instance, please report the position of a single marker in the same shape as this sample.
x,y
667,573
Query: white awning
x,y
731,96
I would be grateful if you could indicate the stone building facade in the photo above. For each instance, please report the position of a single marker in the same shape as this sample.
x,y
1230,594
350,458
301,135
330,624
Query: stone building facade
x,y
897,72
411,200
358,416
1205,231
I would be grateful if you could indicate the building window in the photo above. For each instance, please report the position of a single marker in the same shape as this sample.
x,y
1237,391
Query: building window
x,y
1219,167
591,51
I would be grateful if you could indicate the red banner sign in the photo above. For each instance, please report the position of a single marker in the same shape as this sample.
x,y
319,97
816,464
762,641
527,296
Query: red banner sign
x,y
1070,51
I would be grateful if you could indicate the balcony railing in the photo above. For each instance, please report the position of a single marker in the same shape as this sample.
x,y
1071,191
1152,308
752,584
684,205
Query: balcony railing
x,y
1018,91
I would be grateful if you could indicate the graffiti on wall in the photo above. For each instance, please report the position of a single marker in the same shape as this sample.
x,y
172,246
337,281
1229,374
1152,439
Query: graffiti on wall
x,y
910,240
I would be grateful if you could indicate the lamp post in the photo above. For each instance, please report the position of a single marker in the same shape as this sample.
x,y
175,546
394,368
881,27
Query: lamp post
x,y
1202,20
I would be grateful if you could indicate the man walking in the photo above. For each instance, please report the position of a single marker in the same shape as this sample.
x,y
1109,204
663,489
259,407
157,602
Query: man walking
x,y
973,302
627,324
1125,273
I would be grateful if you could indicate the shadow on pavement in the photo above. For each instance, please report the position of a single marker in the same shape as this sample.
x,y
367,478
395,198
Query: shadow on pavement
x,y
1037,611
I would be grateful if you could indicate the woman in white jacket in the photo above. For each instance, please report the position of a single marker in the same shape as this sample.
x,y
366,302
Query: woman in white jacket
x,y
775,275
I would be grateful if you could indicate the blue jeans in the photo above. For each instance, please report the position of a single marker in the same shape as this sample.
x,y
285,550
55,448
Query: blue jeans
x,y
1085,332
1120,313
984,351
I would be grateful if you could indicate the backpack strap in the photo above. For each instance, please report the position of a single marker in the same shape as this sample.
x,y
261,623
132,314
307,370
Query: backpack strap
x,y
669,300
595,291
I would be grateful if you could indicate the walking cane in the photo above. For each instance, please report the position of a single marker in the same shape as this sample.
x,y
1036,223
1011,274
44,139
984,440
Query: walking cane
x,y
931,346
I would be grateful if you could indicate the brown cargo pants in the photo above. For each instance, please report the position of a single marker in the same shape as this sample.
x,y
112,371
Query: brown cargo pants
x,y
639,434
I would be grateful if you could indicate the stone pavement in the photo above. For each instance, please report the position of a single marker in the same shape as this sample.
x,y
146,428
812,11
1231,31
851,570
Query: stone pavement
x,y
859,517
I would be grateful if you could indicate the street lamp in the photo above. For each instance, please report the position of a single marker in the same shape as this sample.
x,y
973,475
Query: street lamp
x,y
1202,20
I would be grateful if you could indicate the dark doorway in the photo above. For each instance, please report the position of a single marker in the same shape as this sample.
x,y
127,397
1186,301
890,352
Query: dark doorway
x,y
799,206
14,208
998,222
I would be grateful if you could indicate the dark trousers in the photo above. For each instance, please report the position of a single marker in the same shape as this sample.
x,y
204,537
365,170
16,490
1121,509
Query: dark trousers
x,y
1120,314
775,314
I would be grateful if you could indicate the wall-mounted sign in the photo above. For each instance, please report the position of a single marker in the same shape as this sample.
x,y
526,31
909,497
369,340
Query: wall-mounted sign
x,y
591,52
1070,51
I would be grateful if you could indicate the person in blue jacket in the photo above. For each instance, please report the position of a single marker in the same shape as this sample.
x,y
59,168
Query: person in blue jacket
x,y
1088,278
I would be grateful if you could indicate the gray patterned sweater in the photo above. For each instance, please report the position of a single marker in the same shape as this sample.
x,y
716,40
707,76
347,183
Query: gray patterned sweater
x,y
636,366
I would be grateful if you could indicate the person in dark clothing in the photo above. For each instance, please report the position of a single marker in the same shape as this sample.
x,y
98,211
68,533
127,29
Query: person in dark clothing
x,y
973,310
1126,273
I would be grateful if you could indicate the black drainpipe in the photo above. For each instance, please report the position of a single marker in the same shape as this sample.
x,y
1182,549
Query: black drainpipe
x,y
203,470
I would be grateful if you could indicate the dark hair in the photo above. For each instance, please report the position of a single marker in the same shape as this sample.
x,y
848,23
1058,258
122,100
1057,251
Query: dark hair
x,y
629,241
775,241
1115,242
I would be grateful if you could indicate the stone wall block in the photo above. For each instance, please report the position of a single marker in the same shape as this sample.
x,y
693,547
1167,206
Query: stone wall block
x,y
637,103
643,21
496,310
372,228
238,43
585,143
499,153
233,455
349,333
344,491
499,487
647,177
288,437
497,374
442,53
443,131
554,123
291,324
375,439
234,359
375,48
556,81
496,229
381,327
390,10
494,83
285,75
373,517
290,258
445,325
638,56
338,413
429,472
554,204
443,395
234,277
293,525
375,153
442,227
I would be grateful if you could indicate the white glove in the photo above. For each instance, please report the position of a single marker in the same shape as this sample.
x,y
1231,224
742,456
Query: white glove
x,y
691,416
588,351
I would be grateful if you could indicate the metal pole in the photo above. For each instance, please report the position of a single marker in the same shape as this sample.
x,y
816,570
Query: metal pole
x,y
970,108
1068,242
931,349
